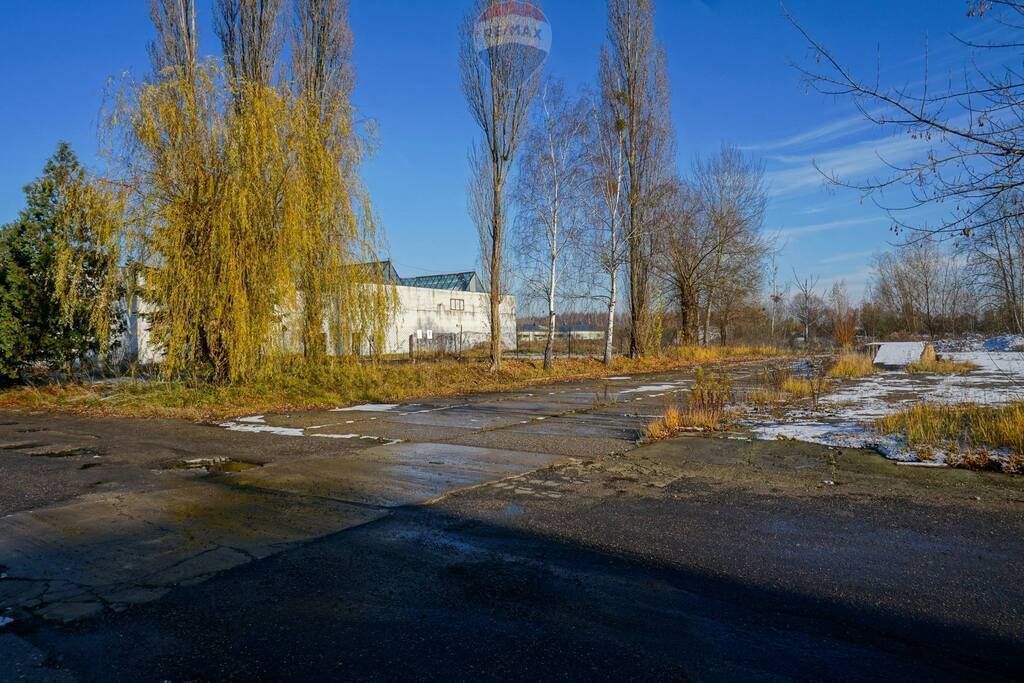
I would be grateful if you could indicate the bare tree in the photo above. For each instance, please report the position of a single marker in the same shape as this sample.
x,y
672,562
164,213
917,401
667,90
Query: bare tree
x,y
633,71
777,296
479,198
604,241
250,36
996,261
176,45
923,284
321,50
499,84
549,194
970,128
842,316
733,200
807,305
684,248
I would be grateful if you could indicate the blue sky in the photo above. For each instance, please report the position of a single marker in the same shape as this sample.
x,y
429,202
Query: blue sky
x,y
728,60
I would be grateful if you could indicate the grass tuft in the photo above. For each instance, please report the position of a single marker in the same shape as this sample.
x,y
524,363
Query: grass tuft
x,y
852,365
968,430
935,366
663,427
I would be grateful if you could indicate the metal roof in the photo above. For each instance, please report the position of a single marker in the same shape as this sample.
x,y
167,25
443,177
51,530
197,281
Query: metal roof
x,y
385,270
460,282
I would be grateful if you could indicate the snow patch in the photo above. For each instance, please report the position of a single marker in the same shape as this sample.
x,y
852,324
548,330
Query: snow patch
x,y
262,429
651,388
368,408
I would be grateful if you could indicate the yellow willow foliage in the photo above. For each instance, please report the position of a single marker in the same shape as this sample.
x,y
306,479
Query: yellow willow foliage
x,y
247,227
87,256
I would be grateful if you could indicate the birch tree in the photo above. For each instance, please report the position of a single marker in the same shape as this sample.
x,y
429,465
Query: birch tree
x,y
604,239
549,194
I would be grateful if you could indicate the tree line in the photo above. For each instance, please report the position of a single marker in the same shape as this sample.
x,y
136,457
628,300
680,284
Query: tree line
x,y
580,192
231,204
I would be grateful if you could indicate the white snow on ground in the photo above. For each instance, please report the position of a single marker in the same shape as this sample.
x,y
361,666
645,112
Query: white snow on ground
x,y
248,425
844,417
651,388
368,408
5,621
257,424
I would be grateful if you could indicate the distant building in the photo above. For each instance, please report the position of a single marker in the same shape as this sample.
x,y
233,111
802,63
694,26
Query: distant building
x,y
533,331
444,312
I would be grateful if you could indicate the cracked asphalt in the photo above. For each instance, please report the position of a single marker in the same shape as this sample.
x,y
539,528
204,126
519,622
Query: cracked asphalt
x,y
514,536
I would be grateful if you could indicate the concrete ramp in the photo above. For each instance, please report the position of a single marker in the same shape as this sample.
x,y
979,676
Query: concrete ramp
x,y
900,354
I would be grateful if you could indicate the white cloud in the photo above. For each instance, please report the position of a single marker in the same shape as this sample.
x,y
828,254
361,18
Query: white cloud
x,y
825,227
850,256
823,133
850,162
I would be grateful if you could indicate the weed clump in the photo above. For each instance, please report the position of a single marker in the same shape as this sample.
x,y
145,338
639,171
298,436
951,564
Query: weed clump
x,y
706,408
937,366
970,432
852,365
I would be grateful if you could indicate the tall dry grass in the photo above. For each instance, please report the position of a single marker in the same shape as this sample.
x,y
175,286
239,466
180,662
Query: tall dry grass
x,y
852,365
935,366
962,427
338,383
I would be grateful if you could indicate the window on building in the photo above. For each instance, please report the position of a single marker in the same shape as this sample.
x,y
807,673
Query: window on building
x,y
458,304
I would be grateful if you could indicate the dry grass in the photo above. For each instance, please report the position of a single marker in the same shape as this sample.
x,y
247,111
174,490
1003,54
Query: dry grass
x,y
851,365
343,383
765,397
798,387
705,410
935,366
970,431
663,427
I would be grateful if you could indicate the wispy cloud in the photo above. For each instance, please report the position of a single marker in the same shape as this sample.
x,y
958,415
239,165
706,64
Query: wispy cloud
x,y
854,161
826,132
842,258
789,233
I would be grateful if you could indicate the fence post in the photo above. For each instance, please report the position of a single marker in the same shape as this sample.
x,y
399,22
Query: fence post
x,y
412,348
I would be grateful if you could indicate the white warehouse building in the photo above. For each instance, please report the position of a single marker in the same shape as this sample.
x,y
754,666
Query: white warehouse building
x,y
449,312
446,312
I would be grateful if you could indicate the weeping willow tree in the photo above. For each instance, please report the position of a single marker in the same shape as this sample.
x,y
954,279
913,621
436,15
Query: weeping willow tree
x,y
247,215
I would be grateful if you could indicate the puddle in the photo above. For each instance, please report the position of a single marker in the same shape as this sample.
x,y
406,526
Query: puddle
x,y
514,510
228,465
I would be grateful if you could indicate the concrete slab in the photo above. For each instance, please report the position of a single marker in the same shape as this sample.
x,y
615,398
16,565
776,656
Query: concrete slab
x,y
70,561
396,475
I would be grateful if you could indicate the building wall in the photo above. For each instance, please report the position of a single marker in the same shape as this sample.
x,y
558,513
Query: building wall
x,y
464,317
434,314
